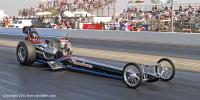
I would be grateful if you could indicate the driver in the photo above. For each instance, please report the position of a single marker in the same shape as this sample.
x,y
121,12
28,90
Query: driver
x,y
33,33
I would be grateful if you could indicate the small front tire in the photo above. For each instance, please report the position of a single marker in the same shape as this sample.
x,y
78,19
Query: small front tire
x,y
132,75
165,69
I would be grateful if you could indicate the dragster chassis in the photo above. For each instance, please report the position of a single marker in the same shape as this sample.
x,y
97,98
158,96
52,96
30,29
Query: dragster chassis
x,y
132,73
35,49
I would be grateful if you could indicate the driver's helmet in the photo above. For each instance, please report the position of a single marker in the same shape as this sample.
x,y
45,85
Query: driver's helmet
x,y
34,35
33,32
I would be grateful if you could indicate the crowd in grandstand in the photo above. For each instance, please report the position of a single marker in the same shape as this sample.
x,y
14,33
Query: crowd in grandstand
x,y
159,17
62,5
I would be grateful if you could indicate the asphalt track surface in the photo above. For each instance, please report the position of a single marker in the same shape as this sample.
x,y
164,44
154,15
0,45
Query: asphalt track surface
x,y
187,52
67,85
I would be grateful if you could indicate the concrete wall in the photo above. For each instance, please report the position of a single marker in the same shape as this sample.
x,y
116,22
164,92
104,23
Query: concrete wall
x,y
192,39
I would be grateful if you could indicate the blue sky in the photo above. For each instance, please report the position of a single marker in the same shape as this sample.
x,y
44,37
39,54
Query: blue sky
x,y
12,6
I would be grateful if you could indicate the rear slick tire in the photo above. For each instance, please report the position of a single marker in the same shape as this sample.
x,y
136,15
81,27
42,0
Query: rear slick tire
x,y
26,53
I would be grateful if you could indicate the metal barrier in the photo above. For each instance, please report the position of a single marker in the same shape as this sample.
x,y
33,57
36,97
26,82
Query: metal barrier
x,y
190,25
192,39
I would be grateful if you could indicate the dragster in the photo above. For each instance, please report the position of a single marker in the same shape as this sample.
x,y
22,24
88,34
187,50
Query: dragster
x,y
57,53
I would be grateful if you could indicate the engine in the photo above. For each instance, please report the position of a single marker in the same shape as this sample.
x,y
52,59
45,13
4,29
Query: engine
x,y
55,49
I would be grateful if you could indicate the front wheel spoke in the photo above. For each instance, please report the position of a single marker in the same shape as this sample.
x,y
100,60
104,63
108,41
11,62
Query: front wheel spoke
x,y
132,71
166,69
128,77
135,80
166,74
137,76
132,81
162,72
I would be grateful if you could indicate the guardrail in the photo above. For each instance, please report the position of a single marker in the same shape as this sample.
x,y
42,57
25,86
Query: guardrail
x,y
186,39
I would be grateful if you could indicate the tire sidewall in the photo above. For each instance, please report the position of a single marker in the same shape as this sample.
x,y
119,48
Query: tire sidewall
x,y
30,54
173,68
140,71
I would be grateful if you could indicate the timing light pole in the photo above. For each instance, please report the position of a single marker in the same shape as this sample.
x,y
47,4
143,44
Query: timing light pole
x,y
172,16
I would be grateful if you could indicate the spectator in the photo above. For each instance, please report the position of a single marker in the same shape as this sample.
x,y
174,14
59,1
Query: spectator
x,y
180,9
198,11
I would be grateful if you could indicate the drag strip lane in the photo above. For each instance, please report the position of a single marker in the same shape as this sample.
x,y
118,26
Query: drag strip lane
x,y
67,85
181,63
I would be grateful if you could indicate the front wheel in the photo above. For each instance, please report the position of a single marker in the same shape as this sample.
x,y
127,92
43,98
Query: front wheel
x,y
132,75
165,69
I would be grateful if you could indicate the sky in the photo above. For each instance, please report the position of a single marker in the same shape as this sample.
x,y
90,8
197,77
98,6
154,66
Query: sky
x,y
11,7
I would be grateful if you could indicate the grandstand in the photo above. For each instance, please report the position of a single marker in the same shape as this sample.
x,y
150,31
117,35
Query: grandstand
x,y
107,8
99,7
95,7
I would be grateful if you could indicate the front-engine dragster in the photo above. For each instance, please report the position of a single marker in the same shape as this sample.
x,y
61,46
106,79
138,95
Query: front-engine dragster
x,y
57,53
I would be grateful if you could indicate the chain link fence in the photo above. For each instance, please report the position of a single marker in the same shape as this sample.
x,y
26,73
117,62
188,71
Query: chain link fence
x,y
184,21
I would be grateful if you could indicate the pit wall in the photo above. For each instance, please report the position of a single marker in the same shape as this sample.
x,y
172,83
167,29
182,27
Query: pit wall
x,y
185,39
